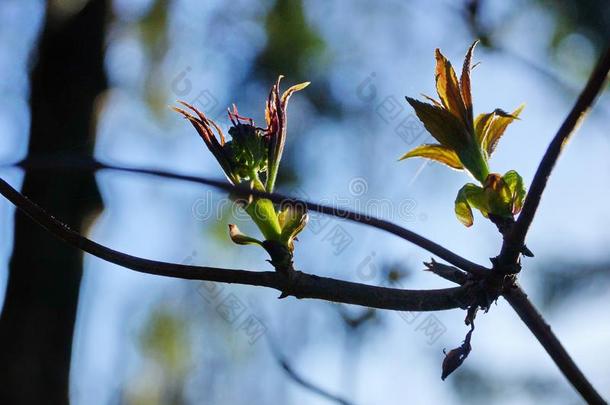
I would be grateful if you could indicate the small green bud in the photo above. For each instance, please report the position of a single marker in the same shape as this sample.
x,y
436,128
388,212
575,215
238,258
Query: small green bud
x,y
501,197
248,150
292,219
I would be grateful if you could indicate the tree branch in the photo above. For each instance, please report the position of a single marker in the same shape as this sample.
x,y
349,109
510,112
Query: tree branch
x,y
516,236
244,192
298,379
534,321
294,376
302,286
538,326
310,286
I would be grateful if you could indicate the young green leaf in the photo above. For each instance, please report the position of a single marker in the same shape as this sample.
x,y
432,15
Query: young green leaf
x,y
292,219
465,84
514,182
497,127
275,115
442,125
463,211
481,124
448,87
435,152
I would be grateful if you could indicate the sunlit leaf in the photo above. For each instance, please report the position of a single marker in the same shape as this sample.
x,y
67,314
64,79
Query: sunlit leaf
x,y
463,211
475,162
497,199
447,87
497,127
481,124
465,83
435,152
205,127
481,201
275,115
514,182
297,87
441,124
293,219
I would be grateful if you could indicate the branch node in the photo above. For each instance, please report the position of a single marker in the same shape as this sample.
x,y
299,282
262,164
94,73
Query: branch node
x,y
447,272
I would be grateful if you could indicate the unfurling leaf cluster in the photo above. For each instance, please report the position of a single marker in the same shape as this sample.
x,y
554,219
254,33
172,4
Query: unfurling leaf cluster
x,y
467,143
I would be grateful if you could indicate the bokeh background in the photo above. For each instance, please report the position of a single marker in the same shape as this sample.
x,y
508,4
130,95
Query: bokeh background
x,y
96,78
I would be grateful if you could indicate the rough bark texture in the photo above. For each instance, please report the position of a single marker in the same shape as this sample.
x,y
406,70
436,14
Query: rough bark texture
x,y
37,321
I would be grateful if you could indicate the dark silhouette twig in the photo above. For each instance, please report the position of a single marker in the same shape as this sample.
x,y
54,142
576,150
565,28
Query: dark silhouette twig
x,y
309,385
516,236
538,326
244,192
300,380
303,285
530,316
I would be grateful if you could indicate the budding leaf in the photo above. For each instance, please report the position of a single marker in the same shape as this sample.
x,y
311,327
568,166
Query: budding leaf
x,y
435,152
463,201
292,219
448,87
465,83
442,125
247,150
501,196
238,237
496,128
514,182
466,144
481,124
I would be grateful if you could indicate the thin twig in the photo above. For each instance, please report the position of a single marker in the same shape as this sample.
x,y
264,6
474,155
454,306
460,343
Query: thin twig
x,y
516,236
303,285
536,323
244,192
309,385
528,313
447,272
300,380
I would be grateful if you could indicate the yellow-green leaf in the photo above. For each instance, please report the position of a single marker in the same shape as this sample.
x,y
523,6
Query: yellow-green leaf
x,y
297,87
497,127
497,199
465,83
442,125
293,219
448,88
481,124
435,152
463,211
517,190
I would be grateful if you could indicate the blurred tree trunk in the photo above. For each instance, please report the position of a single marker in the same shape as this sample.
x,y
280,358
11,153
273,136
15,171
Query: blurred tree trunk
x,y
37,321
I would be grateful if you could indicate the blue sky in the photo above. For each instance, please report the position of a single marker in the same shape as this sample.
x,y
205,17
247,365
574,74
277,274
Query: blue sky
x,y
154,218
